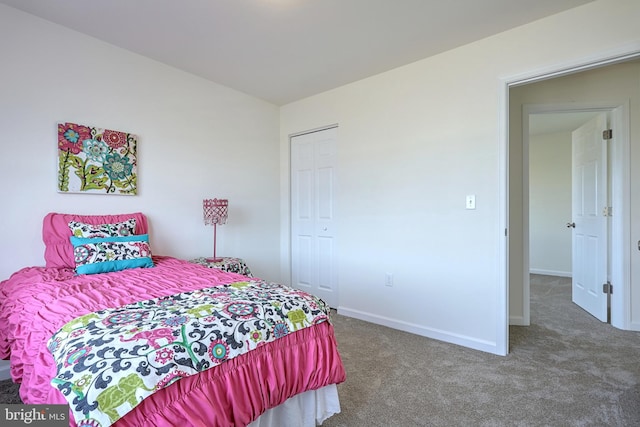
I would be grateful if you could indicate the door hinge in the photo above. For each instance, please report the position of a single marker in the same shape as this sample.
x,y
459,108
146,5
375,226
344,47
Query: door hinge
x,y
607,134
607,288
607,211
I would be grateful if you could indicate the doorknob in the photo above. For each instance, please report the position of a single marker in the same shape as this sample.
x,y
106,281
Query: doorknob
x,y
571,225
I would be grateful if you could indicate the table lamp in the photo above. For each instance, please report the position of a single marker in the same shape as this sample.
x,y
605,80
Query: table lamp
x,y
215,212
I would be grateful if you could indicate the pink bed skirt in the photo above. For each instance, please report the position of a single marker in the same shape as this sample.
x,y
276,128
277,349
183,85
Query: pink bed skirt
x,y
238,391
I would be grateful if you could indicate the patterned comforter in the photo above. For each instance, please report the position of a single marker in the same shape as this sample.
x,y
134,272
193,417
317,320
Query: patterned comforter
x,y
204,339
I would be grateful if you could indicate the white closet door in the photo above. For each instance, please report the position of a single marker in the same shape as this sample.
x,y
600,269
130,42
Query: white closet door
x,y
313,248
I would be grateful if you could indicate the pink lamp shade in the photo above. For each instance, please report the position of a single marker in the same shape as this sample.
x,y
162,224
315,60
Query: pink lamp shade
x,y
215,212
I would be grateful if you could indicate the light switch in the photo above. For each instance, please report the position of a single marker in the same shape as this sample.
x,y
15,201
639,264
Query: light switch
x,y
471,201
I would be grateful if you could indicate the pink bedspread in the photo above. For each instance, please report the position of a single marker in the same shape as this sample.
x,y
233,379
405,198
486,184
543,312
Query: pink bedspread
x,y
35,302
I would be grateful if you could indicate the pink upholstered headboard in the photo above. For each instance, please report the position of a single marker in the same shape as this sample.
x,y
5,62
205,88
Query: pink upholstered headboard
x,y
58,251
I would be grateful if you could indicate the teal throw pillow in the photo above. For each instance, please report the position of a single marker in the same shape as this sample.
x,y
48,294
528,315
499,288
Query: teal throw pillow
x,y
103,255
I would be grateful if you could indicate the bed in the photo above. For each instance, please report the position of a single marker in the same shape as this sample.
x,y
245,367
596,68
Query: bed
x,y
135,339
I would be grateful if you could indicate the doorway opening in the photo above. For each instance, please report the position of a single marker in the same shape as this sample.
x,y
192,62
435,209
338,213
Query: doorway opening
x,y
575,90
569,221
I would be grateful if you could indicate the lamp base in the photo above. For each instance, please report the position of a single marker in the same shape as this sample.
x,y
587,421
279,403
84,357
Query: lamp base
x,y
214,259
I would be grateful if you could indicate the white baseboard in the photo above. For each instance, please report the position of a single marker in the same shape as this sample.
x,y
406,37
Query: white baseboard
x,y
634,326
550,272
465,341
5,370
517,321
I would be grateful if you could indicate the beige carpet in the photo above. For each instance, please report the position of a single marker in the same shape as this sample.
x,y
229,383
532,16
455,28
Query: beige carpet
x,y
566,369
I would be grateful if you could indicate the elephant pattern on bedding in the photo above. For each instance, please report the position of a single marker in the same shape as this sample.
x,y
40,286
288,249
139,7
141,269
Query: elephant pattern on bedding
x,y
117,394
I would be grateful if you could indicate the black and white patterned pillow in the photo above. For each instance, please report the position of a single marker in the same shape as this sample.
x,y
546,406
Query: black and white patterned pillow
x,y
91,231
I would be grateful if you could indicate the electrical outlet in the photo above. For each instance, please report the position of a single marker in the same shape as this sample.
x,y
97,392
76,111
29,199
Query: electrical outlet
x,y
388,280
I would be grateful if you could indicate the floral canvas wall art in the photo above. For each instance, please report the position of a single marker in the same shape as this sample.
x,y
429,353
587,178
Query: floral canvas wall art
x,y
94,160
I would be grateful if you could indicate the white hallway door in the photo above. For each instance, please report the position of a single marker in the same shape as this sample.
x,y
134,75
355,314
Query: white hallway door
x,y
590,217
313,248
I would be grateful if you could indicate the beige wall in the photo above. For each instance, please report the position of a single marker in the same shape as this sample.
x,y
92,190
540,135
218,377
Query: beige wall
x,y
197,140
413,142
550,203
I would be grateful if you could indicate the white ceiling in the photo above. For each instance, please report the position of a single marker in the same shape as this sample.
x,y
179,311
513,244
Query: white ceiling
x,y
285,50
558,122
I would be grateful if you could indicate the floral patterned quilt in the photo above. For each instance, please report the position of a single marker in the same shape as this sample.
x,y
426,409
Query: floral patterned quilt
x,y
109,360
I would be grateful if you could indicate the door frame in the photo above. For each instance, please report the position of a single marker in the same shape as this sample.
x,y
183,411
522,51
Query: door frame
x,y
598,59
620,202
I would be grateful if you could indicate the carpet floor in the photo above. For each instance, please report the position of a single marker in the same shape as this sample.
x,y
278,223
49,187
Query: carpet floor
x,y
566,369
